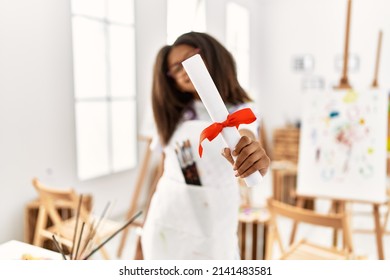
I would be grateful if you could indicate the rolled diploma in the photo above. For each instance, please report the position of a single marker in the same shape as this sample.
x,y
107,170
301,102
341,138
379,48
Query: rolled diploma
x,y
208,93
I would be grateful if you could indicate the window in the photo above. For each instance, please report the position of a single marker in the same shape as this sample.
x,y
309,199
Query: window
x,y
237,39
104,86
185,16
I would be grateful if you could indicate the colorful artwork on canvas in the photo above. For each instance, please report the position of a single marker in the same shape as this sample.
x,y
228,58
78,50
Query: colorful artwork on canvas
x,y
343,145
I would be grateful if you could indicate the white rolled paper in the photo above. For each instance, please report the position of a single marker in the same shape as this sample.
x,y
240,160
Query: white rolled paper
x,y
208,93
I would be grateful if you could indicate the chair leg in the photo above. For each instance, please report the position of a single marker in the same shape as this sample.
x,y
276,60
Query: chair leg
x,y
300,203
40,225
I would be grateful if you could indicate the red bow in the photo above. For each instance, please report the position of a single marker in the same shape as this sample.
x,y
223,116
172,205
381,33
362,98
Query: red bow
x,y
235,119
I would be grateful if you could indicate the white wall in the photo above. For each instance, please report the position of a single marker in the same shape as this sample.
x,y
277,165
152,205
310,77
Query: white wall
x,y
317,28
37,135
216,20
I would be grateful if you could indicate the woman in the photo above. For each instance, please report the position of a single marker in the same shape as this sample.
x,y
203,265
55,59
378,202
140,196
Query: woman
x,y
194,211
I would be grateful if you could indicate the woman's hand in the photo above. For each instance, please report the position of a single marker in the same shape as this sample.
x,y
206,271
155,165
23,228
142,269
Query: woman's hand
x,y
250,157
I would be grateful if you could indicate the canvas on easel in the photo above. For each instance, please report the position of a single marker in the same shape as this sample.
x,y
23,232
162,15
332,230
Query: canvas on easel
x,y
342,152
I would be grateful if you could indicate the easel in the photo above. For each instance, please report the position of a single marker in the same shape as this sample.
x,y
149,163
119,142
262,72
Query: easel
x,y
137,191
374,85
378,55
339,206
344,83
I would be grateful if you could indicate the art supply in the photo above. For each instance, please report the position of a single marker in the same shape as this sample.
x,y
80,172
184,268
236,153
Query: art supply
x,y
75,228
88,244
114,234
29,257
88,239
191,164
187,163
181,163
92,231
79,241
207,91
58,247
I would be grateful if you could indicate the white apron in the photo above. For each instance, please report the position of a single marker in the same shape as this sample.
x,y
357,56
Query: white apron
x,y
188,221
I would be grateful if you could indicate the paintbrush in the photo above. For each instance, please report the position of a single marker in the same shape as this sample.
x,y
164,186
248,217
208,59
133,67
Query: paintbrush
x,y
114,234
79,241
76,225
93,229
58,247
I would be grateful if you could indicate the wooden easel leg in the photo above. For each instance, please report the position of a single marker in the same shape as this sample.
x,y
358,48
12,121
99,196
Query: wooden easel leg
x,y
384,227
337,207
378,232
138,250
136,194
340,208
153,186
300,203
347,236
138,253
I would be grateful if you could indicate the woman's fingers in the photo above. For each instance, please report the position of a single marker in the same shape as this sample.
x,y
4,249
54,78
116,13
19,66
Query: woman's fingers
x,y
251,157
260,165
226,153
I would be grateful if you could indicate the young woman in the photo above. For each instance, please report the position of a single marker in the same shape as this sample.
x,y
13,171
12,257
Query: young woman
x,y
194,211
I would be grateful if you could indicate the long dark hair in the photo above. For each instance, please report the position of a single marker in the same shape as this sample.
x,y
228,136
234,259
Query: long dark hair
x,y
169,102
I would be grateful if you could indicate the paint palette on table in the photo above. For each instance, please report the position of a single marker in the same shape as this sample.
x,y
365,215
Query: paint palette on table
x,y
17,250
29,257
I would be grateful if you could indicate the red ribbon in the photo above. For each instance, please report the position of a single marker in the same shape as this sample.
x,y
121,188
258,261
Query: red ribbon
x,y
243,116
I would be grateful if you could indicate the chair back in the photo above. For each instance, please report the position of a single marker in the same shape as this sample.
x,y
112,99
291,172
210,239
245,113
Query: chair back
x,y
78,229
336,221
54,198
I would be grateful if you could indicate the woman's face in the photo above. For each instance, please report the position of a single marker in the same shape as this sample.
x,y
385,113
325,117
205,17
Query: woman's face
x,y
175,69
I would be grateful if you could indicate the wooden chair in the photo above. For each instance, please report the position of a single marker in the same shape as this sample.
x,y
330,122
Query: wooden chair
x,y
64,228
304,249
